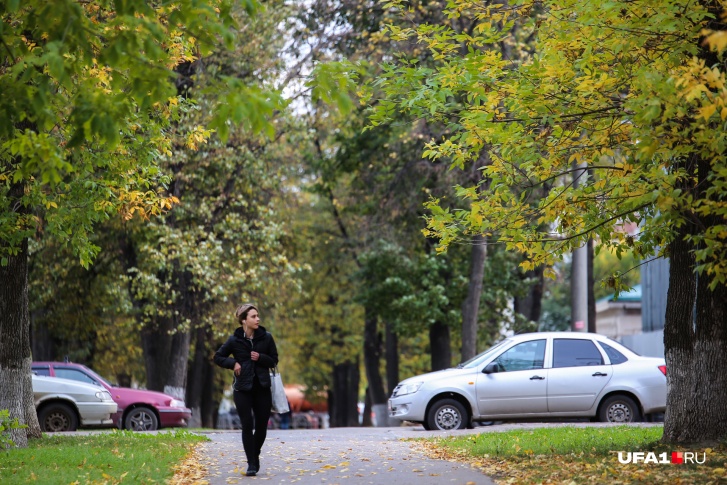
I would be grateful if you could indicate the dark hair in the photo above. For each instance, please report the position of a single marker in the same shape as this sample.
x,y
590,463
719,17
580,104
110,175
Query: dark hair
x,y
243,310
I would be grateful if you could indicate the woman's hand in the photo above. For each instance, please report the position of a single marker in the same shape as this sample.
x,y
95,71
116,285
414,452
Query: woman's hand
x,y
254,355
238,368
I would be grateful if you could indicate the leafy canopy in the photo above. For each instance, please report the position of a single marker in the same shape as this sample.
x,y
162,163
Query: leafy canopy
x,y
88,96
616,86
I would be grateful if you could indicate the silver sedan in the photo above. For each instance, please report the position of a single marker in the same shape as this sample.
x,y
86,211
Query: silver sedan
x,y
537,375
64,405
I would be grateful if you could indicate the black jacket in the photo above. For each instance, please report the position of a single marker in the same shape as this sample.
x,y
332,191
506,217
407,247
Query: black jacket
x,y
239,346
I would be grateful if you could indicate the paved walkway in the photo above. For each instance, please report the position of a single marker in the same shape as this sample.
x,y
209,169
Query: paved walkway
x,y
354,456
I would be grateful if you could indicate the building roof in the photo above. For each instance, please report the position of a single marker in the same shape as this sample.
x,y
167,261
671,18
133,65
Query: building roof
x,y
631,296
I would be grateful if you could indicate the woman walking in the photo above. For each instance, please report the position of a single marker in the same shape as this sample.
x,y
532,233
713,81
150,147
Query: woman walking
x,y
253,353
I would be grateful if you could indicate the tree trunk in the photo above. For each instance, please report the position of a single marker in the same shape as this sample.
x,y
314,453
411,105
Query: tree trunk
x,y
209,393
166,343
695,341
695,345
343,399
16,387
695,332
210,398
372,358
531,304
471,305
166,350
439,343
197,377
392,359
591,283
41,342
366,420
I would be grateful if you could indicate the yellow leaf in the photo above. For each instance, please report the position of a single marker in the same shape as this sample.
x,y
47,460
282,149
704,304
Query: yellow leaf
x,y
707,111
717,40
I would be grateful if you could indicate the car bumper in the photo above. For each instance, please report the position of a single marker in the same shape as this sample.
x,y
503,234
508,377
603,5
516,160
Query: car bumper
x,y
174,417
406,408
97,414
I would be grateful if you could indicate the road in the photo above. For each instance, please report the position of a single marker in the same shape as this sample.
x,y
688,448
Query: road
x,y
348,456
351,456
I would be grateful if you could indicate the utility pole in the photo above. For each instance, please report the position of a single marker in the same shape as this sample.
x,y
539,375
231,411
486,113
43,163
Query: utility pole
x,y
579,274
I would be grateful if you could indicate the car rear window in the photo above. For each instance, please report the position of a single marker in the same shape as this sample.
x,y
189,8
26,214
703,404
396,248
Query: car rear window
x,y
624,346
41,370
575,353
614,355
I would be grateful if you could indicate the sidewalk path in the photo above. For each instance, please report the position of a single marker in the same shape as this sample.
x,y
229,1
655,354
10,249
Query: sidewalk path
x,y
354,456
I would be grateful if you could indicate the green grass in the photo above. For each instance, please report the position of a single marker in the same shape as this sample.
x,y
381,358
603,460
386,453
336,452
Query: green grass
x,y
103,458
570,454
561,441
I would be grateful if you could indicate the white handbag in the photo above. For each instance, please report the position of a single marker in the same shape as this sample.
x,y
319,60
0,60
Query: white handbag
x,y
280,402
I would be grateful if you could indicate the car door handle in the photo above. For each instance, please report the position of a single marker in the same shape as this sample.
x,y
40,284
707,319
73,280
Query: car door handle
x,y
599,374
537,378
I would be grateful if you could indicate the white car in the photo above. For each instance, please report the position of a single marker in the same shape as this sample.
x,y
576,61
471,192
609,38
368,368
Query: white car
x,y
537,375
64,405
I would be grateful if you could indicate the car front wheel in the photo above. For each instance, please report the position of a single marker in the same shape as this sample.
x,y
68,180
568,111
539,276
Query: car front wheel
x,y
141,419
54,418
619,409
447,414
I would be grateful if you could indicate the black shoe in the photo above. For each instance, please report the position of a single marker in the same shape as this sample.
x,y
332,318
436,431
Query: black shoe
x,y
251,470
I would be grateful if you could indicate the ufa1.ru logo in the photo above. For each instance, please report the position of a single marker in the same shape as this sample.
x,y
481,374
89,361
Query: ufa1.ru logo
x,y
677,457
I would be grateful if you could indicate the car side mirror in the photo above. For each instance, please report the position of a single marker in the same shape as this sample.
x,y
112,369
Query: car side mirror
x,y
491,368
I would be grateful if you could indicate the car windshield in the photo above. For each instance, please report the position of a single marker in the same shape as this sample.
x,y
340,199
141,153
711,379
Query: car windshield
x,y
478,359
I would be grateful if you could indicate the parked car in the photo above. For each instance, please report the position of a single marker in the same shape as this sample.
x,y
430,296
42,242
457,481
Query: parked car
x,y
537,375
64,405
139,409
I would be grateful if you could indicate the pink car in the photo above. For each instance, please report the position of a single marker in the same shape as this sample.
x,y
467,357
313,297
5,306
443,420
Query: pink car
x,y
139,410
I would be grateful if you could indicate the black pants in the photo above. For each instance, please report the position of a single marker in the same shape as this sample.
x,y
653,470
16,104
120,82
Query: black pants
x,y
253,407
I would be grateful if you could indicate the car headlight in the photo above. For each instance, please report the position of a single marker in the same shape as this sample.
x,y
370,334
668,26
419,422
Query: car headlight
x,y
104,396
175,403
404,389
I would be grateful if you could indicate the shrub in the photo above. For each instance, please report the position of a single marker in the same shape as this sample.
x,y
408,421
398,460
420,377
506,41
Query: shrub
x,y
6,424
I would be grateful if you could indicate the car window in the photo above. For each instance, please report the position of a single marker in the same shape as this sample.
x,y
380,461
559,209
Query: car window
x,y
479,358
614,355
575,353
523,356
75,375
43,370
